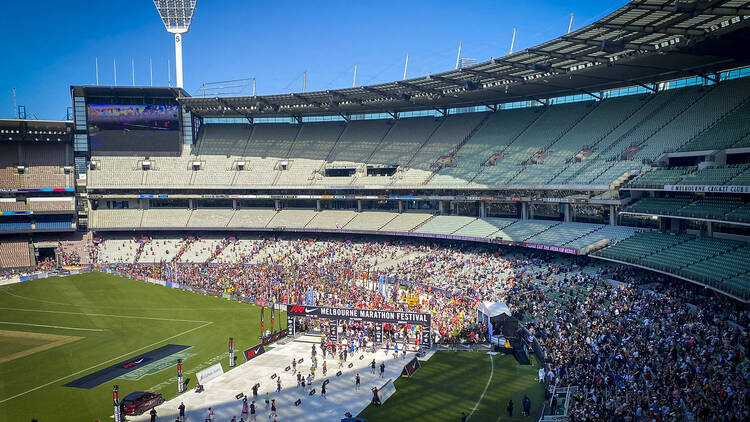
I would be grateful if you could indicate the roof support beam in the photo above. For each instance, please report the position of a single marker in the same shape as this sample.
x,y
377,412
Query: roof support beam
x,y
235,109
383,93
650,29
450,81
697,9
421,89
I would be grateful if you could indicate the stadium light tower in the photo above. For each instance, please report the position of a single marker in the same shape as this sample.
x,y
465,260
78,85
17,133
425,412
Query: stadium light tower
x,y
177,16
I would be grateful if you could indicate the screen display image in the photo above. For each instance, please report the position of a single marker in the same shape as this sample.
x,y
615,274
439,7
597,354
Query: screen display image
x,y
114,127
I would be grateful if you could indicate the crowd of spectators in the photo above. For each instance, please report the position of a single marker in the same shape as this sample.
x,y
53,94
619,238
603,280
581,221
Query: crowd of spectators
x,y
643,348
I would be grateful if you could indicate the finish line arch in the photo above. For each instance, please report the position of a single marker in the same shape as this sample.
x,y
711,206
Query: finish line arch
x,y
379,317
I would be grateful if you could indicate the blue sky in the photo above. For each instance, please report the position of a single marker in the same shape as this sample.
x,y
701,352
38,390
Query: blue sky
x,y
51,44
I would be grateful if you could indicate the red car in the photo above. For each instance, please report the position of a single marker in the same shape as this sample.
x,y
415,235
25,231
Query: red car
x,y
138,402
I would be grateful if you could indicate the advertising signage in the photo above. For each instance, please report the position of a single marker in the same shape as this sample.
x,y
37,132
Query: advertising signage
x,y
370,315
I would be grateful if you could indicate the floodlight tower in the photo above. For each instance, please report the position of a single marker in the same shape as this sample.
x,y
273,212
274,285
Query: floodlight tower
x,y
177,16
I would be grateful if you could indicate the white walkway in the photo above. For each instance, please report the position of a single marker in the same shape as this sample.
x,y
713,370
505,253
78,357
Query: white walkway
x,y
341,396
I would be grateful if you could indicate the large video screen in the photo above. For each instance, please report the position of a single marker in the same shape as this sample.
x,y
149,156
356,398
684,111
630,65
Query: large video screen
x,y
133,128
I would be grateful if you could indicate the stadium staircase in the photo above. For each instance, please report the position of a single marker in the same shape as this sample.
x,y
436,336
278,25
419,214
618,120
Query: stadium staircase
x,y
615,142
333,148
420,224
224,243
139,251
286,156
540,232
391,125
596,143
183,248
505,148
426,141
715,122
546,148
675,116
436,168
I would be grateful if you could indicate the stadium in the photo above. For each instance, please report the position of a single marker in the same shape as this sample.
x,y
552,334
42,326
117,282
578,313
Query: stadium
x,y
557,234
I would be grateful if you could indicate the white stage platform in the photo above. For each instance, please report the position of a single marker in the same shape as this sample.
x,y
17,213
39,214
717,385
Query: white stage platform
x,y
341,396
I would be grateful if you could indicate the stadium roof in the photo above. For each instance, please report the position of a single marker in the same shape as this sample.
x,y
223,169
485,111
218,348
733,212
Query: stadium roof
x,y
122,92
643,42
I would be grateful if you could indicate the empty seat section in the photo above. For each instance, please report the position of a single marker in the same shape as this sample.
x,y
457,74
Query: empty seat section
x,y
370,220
331,219
292,218
165,217
14,253
524,229
444,224
210,217
115,218
563,233
406,222
251,218
484,227
492,138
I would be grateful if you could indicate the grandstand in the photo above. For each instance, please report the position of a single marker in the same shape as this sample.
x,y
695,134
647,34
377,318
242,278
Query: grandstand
x,y
606,170
553,166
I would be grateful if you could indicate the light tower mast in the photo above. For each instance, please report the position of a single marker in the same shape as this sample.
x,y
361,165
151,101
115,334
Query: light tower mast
x,y
177,16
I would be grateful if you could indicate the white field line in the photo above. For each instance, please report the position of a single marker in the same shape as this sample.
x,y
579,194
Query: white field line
x,y
52,326
204,324
489,380
104,315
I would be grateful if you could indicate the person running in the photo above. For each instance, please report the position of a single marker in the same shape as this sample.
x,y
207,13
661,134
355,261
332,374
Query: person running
x,y
309,380
268,400
209,415
382,369
323,390
255,391
395,350
273,409
153,415
294,365
356,383
372,367
278,384
244,408
299,379
252,410
325,368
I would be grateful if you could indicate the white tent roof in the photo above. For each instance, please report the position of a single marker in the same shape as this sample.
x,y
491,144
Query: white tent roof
x,y
492,309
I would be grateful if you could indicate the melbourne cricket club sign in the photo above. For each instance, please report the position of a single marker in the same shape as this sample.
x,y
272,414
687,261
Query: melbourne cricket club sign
x,y
370,315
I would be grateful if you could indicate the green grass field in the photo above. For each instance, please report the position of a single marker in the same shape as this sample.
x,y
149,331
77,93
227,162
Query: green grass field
x,y
115,318
452,382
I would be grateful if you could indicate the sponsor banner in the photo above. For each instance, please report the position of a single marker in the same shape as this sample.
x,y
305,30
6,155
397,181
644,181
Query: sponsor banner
x,y
253,352
707,188
550,248
15,212
386,391
512,198
410,368
275,336
360,314
209,373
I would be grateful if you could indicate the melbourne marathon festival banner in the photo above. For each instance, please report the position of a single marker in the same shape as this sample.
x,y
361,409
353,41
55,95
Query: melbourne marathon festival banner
x,y
370,315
